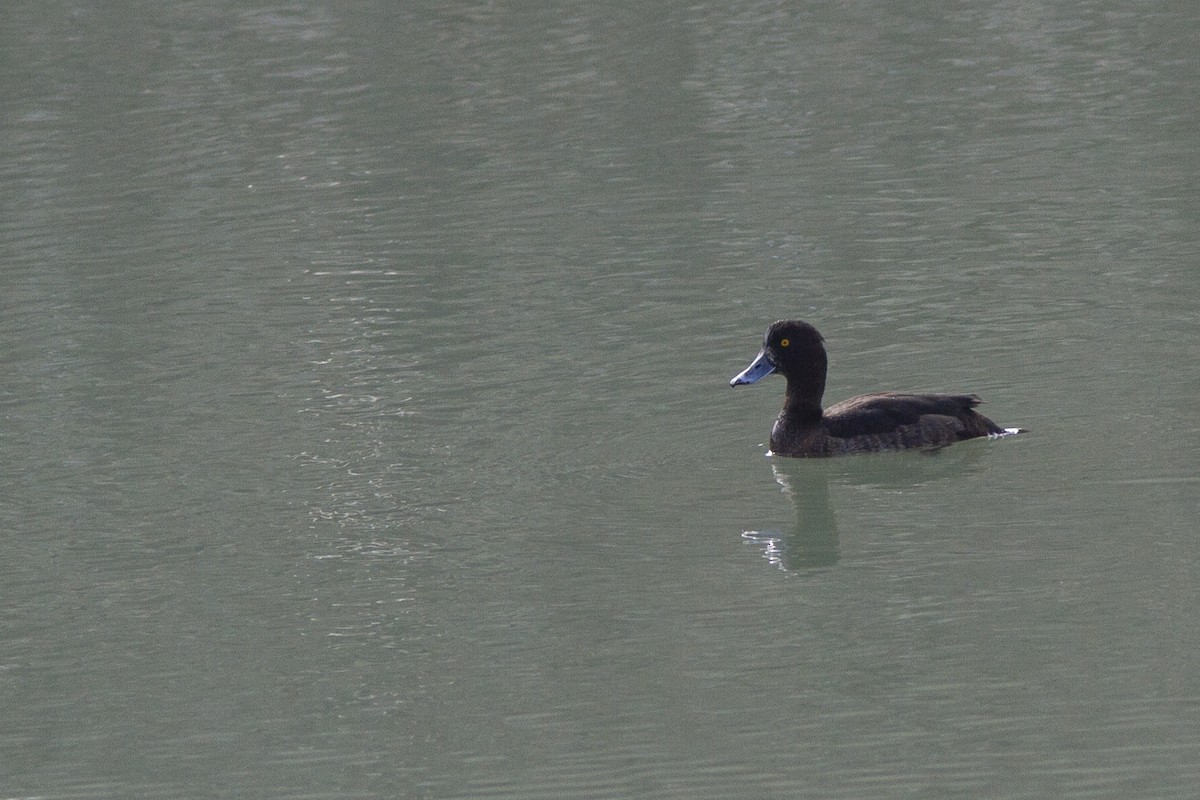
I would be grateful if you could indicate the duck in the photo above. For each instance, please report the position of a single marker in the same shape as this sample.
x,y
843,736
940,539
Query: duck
x,y
869,423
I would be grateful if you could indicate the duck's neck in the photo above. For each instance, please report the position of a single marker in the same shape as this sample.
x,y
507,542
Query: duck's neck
x,y
806,386
802,404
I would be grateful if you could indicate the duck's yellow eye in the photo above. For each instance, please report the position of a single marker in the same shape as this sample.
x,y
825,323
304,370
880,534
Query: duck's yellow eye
x,y
784,342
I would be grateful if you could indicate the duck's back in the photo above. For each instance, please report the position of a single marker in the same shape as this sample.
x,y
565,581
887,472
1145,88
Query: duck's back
x,y
885,421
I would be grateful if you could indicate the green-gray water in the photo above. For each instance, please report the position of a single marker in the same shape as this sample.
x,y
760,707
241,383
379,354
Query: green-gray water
x,y
365,420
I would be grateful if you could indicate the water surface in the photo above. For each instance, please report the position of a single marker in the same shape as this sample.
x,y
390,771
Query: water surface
x,y
367,430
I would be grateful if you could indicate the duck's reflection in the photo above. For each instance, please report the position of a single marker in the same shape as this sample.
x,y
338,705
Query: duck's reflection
x,y
813,543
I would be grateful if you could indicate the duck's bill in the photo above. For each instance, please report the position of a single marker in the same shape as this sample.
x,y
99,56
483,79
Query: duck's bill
x,y
760,368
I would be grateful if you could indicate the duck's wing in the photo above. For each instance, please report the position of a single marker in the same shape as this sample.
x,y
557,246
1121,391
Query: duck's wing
x,y
889,412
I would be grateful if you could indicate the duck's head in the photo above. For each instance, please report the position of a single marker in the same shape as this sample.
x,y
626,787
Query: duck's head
x,y
792,348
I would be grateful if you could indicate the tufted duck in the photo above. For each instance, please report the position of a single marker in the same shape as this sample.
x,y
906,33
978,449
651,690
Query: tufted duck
x,y
867,423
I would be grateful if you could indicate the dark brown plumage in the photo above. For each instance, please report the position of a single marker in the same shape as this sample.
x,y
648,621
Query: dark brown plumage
x,y
867,423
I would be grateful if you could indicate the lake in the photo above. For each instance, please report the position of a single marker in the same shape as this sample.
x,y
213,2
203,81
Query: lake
x,y
367,426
